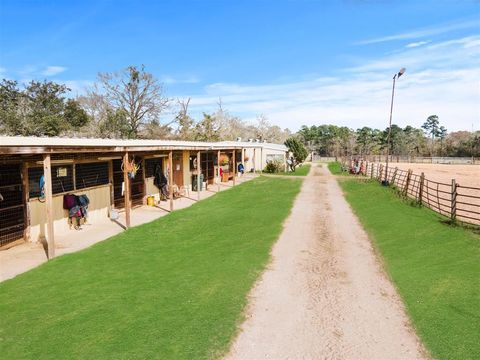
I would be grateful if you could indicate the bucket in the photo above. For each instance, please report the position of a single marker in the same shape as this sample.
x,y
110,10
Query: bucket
x,y
114,214
150,201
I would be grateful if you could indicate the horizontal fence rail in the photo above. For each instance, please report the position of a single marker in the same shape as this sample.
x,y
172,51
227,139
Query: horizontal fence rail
x,y
418,159
452,200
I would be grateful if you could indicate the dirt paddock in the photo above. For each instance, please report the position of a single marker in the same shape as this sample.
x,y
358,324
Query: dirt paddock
x,y
466,175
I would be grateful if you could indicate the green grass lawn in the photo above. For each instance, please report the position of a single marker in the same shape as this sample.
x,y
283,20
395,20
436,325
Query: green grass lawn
x,y
172,289
299,171
435,267
335,168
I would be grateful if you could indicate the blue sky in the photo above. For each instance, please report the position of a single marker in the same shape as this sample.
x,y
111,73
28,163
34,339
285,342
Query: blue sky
x,y
297,62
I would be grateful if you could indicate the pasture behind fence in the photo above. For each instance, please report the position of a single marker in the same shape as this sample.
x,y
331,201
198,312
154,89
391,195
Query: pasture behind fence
x,y
453,200
465,160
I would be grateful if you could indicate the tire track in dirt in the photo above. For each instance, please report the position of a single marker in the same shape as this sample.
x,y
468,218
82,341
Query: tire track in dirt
x,y
324,294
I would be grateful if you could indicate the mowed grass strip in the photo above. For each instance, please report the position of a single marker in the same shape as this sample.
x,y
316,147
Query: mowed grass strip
x,y
299,171
335,167
435,267
174,288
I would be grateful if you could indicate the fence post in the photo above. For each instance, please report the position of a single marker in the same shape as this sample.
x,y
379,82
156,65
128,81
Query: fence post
x,y
453,214
394,175
407,183
420,189
380,172
371,172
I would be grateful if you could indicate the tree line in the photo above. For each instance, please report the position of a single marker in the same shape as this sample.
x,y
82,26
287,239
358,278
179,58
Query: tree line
x,y
130,104
432,139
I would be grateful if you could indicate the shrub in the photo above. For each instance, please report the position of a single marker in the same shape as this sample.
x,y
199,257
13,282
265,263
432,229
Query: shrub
x,y
273,166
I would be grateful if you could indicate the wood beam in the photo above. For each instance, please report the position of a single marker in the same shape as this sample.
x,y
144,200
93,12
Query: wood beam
x,y
26,197
261,158
144,178
199,172
126,191
170,178
110,182
234,166
47,174
243,159
218,171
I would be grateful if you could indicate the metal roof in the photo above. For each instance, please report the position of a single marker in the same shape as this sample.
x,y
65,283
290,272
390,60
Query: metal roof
x,y
24,144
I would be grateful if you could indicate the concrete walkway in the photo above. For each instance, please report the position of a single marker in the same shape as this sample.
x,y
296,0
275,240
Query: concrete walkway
x,y
325,294
26,256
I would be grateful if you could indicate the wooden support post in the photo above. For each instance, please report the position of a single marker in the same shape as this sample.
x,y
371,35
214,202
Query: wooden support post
x,y
243,159
453,211
285,162
380,172
47,173
218,171
170,178
234,166
110,183
261,158
74,176
26,197
144,178
420,188
371,171
199,173
394,175
254,163
126,190
407,182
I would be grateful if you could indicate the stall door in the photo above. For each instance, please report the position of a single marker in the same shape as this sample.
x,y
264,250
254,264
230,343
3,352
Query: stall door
x,y
178,169
137,185
208,166
12,221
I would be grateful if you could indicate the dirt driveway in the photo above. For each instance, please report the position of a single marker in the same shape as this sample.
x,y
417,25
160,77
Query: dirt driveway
x,y
324,294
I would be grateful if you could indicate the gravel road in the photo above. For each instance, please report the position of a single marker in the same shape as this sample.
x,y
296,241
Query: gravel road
x,y
324,294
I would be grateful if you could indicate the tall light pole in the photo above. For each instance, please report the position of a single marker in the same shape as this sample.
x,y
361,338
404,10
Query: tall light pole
x,y
397,75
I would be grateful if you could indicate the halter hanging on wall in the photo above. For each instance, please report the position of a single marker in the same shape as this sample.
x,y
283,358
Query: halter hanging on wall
x,y
131,167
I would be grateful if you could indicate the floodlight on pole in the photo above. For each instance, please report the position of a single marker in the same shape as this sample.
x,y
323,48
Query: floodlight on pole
x,y
397,75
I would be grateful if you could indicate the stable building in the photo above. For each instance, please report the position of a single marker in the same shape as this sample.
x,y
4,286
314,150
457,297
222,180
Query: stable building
x,y
115,175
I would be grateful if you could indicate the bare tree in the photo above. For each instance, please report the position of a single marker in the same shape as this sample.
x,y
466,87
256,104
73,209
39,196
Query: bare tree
x,y
262,127
105,122
185,129
137,93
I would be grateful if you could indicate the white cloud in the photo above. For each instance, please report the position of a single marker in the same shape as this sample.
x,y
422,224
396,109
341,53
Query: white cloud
x,y
53,70
441,78
441,29
417,44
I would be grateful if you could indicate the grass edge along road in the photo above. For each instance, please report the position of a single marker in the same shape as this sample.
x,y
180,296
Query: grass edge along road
x,y
173,288
335,168
299,171
434,266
